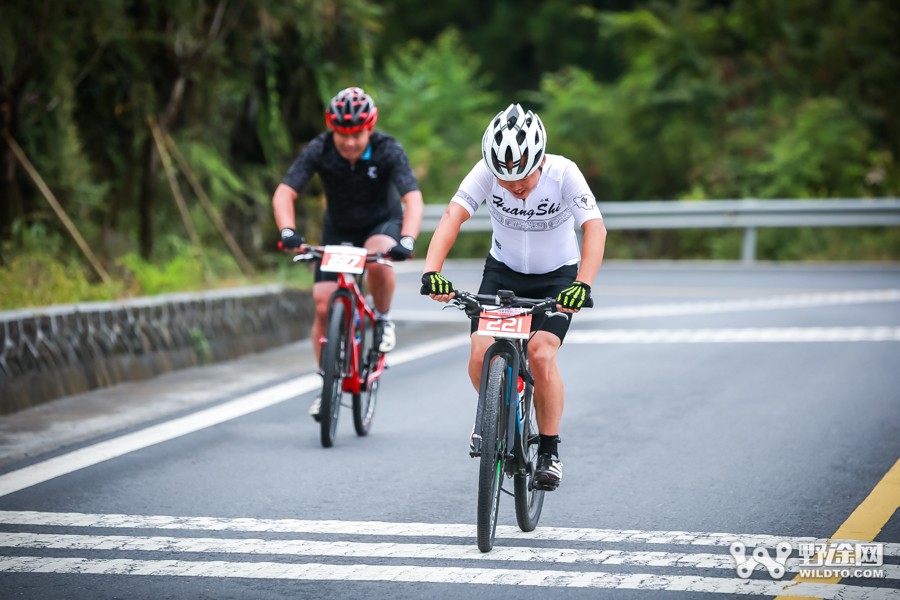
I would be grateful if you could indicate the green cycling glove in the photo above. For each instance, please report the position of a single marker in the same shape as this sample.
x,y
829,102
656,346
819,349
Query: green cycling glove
x,y
574,296
435,283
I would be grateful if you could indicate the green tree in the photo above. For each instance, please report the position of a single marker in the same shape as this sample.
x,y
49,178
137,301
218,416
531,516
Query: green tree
x,y
40,70
435,102
517,41
744,99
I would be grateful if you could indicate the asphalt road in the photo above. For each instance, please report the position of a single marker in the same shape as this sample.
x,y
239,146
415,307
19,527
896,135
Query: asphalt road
x,y
706,404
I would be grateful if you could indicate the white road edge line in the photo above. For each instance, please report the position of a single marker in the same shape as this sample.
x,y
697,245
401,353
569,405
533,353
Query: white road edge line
x,y
452,575
735,335
611,313
113,448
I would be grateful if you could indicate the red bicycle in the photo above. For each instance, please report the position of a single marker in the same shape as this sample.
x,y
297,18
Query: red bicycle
x,y
350,360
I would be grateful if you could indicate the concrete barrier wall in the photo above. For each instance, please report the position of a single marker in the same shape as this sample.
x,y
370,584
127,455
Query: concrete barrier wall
x,y
51,352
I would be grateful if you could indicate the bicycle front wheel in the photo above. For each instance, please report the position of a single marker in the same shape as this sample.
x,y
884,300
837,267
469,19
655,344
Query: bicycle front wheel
x,y
529,501
490,474
334,358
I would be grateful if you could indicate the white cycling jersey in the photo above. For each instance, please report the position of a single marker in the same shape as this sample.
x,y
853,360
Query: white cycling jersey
x,y
537,234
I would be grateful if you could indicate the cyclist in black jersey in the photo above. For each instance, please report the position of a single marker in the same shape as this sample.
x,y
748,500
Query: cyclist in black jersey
x,y
372,200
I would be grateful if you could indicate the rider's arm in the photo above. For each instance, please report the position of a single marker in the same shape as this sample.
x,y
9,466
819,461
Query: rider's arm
x,y
283,206
580,199
298,175
592,248
414,207
404,181
445,236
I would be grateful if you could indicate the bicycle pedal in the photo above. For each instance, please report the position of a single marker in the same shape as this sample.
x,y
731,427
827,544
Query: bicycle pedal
x,y
548,487
475,445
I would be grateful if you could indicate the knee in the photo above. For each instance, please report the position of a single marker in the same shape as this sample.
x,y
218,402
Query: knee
x,y
321,308
378,272
542,360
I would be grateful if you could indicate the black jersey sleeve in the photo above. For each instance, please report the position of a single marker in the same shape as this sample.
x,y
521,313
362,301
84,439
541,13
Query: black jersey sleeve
x,y
402,175
306,165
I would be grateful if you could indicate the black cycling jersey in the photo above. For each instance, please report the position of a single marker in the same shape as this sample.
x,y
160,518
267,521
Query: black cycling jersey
x,y
361,196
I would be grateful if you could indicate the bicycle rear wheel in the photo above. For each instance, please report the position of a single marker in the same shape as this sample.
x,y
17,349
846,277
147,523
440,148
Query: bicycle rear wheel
x,y
529,501
334,359
364,402
493,452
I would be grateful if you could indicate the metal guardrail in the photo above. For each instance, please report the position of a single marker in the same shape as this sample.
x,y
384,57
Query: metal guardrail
x,y
723,214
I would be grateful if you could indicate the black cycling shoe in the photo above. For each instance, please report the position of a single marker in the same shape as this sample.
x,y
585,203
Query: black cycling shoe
x,y
475,445
547,473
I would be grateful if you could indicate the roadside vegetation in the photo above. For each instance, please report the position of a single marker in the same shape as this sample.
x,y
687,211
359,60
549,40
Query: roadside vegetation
x,y
687,100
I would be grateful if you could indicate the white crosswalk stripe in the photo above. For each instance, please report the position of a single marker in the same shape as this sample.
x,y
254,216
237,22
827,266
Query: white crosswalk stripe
x,y
380,550
592,561
450,575
382,528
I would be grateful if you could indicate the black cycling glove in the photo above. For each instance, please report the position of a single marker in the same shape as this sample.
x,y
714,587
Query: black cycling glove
x,y
290,239
574,296
404,249
435,283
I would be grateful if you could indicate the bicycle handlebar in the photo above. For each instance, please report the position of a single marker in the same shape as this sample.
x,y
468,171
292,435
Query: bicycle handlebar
x,y
473,304
316,253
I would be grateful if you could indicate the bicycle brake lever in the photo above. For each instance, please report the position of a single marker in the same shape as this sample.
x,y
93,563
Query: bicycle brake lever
x,y
557,313
305,256
454,303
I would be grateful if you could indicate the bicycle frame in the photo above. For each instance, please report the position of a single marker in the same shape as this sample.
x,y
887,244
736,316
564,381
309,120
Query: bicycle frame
x,y
504,420
514,440
355,376
356,380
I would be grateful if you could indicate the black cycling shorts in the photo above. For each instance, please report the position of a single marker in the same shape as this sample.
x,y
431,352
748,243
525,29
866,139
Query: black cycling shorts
x,y
497,276
332,236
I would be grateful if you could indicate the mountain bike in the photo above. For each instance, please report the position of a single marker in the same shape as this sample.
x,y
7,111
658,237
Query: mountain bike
x,y
350,360
506,433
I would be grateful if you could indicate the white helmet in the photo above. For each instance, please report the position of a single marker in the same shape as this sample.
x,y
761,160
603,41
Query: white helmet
x,y
513,144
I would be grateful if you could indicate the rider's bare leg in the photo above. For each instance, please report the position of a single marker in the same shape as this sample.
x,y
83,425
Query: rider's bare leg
x,y
548,383
322,292
381,278
480,344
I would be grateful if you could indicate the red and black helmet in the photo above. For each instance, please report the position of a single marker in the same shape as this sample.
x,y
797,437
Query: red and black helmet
x,y
351,110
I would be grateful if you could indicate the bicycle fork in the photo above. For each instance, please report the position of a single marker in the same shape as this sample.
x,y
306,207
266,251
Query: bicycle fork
x,y
510,435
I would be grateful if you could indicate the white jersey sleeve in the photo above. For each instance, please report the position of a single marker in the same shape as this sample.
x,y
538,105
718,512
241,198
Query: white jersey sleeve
x,y
535,234
475,189
578,195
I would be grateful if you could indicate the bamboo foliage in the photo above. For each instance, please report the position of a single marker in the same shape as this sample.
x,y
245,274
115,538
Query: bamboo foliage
x,y
654,100
57,208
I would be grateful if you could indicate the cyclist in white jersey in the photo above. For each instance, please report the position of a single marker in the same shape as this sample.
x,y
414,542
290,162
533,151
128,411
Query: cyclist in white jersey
x,y
535,201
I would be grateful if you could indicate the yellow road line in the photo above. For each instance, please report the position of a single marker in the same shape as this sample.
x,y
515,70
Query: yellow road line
x,y
866,521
